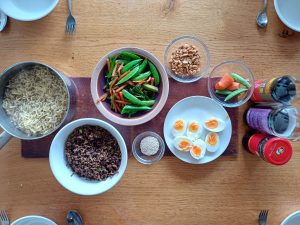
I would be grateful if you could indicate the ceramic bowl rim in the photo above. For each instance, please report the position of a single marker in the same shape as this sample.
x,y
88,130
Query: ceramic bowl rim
x,y
146,116
42,14
66,131
283,19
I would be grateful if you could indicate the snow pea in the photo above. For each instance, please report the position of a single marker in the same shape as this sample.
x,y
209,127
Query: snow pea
x,y
223,92
129,55
150,88
143,66
240,79
235,93
134,100
130,109
129,65
112,61
128,76
154,73
142,76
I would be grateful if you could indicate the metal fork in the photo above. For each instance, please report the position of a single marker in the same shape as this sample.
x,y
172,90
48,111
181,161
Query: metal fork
x,y
3,218
71,22
262,218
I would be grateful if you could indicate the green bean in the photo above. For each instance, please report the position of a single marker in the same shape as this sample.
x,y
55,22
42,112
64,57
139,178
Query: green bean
x,y
142,76
130,109
240,79
134,100
154,73
143,66
130,55
129,65
128,76
235,93
112,61
150,87
223,92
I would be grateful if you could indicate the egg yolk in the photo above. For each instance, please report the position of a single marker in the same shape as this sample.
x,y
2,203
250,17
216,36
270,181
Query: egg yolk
x,y
179,125
196,150
184,144
212,139
193,127
212,124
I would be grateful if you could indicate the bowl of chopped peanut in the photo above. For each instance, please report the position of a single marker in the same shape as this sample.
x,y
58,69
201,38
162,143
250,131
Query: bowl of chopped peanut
x,y
187,59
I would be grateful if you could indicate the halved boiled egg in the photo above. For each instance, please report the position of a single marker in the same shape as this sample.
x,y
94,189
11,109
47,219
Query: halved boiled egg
x,y
194,130
214,124
198,149
212,141
183,143
179,127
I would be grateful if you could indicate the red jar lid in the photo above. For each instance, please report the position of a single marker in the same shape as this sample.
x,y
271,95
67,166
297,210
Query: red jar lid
x,y
278,151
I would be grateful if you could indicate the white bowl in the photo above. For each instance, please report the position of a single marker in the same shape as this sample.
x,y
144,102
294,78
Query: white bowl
x,y
292,219
27,10
33,220
64,174
288,12
97,83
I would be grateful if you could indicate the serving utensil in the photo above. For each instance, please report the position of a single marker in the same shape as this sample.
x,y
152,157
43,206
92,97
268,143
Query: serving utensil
x,y
262,18
74,218
262,218
4,218
71,22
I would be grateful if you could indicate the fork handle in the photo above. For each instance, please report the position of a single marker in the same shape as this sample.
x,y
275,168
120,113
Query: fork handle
x,y
70,6
265,5
4,138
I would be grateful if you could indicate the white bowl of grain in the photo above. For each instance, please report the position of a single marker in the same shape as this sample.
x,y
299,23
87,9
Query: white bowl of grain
x,y
34,101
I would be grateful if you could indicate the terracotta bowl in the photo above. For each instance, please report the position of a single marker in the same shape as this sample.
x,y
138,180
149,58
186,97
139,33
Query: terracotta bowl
x,y
98,82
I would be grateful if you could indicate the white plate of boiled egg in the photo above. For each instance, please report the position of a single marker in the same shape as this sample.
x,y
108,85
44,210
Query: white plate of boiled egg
x,y
197,129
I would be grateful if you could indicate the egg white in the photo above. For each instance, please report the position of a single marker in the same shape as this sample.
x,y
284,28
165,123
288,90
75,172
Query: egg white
x,y
177,132
177,141
202,146
212,148
219,128
196,134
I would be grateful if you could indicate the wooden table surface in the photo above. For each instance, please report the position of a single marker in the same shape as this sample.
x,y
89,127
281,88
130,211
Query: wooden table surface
x,y
230,190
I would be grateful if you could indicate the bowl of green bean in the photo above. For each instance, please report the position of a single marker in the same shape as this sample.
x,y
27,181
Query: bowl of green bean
x,y
231,83
129,86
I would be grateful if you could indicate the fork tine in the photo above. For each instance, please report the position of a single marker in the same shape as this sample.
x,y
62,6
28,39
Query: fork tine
x,y
263,214
5,215
260,214
266,215
1,215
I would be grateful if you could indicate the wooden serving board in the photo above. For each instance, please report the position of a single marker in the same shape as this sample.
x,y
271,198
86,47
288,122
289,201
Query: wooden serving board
x,y
86,108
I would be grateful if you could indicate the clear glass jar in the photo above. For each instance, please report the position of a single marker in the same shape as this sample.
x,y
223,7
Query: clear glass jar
x,y
278,120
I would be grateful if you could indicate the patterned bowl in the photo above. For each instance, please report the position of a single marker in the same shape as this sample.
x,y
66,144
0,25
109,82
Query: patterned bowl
x,y
97,84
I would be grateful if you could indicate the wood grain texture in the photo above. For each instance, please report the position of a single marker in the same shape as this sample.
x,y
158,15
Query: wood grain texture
x,y
231,190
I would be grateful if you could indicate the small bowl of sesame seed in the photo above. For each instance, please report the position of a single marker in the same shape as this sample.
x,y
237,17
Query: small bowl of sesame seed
x,y
187,59
148,147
